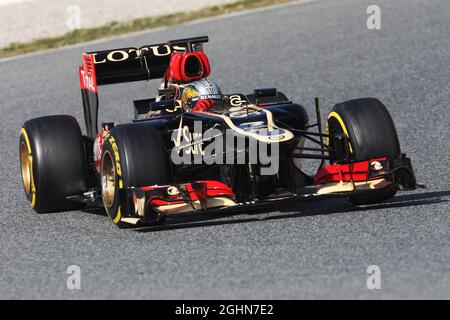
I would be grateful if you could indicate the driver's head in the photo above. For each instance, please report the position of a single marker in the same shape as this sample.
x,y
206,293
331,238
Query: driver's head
x,y
201,95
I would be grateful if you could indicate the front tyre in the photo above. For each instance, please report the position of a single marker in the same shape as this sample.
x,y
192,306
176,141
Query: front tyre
x,y
370,131
133,155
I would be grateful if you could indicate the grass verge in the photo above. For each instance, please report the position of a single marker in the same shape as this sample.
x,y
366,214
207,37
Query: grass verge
x,y
117,28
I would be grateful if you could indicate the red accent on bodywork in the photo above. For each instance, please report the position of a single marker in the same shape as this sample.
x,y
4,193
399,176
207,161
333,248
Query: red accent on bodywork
x,y
160,202
203,189
205,63
98,146
177,65
87,75
356,171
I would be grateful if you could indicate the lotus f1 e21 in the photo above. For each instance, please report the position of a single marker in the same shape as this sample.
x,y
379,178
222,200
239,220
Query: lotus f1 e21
x,y
129,168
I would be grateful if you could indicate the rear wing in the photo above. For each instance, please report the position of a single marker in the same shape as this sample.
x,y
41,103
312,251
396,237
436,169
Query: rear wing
x,y
126,65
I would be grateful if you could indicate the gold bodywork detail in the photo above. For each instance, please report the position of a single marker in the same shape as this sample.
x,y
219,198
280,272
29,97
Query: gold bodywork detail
x,y
270,124
335,187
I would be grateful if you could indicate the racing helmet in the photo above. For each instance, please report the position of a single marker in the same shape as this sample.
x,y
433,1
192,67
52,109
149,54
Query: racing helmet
x,y
201,90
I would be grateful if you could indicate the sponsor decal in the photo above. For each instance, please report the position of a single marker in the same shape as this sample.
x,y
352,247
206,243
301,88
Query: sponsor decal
x,y
172,191
211,96
134,53
376,165
88,81
237,101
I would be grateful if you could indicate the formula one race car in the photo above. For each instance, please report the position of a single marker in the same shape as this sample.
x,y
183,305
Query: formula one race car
x,y
192,148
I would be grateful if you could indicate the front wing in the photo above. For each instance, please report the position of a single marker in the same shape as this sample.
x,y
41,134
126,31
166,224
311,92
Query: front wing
x,y
147,204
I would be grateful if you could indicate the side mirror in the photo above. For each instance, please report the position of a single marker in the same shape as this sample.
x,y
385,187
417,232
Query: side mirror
x,y
143,107
162,105
266,92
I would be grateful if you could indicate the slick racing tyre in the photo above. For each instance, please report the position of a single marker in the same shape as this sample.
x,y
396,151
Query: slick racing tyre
x,y
371,133
52,163
133,155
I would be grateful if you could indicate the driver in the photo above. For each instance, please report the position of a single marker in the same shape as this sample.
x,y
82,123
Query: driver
x,y
201,95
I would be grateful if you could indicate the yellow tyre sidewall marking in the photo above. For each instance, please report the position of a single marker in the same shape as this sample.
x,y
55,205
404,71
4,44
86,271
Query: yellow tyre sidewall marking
x,y
116,220
335,115
24,133
111,140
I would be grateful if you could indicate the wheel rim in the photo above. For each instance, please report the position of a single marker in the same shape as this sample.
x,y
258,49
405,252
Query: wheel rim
x,y
25,166
108,176
334,128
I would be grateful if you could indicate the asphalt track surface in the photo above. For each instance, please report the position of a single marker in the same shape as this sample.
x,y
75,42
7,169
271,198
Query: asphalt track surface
x,y
303,250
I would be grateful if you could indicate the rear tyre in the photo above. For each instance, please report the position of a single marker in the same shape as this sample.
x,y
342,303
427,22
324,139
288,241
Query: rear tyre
x,y
370,131
133,155
52,162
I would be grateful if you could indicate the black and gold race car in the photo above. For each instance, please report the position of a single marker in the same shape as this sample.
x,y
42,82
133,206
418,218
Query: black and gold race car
x,y
192,148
